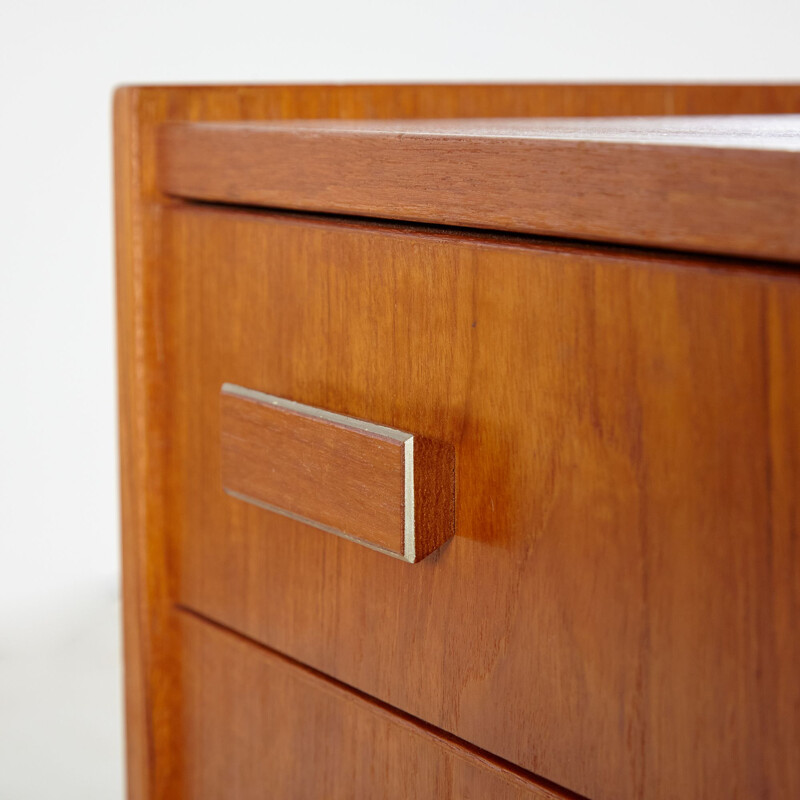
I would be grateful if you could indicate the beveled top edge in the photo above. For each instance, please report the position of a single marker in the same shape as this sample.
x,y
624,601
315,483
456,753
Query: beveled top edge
x,y
742,131
318,413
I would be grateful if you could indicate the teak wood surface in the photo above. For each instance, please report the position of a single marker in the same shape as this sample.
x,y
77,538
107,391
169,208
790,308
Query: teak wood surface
x,y
288,733
721,185
616,610
385,488
151,449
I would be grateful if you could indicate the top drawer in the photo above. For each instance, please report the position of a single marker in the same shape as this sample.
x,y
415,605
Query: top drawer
x,y
616,609
724,185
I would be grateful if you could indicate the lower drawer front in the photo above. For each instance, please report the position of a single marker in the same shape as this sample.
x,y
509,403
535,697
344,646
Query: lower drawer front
x,y
255,726
616,611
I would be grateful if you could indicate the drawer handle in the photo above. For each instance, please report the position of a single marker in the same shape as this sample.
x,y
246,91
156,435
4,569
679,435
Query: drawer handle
x,y
384,488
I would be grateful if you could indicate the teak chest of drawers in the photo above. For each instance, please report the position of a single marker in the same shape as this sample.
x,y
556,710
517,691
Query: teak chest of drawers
x,y
542,342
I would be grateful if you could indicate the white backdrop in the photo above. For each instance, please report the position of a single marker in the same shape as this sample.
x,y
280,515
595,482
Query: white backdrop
x,y
58,468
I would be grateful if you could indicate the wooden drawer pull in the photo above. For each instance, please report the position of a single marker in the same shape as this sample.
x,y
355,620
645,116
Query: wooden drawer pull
x,y
387,489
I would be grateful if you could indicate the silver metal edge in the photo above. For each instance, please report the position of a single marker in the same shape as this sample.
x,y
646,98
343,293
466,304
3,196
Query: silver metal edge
x,y
409,533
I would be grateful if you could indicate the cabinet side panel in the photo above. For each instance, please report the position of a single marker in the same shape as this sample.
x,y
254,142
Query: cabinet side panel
x,y
150,644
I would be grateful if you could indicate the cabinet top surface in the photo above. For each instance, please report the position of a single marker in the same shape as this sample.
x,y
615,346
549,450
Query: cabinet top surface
x,y
746,131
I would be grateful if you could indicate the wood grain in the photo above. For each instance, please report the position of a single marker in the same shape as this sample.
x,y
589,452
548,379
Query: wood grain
x,y
144,342
147,303
346,476
615,612
727,185
258,726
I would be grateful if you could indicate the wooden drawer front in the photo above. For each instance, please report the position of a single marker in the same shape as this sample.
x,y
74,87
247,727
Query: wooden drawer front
x,y
713,184
255,726
616,610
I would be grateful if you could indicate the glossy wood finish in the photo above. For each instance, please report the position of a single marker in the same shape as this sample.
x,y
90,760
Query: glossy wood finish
x,y
147,303
720,185
151,646
258,726
382,487
616,610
